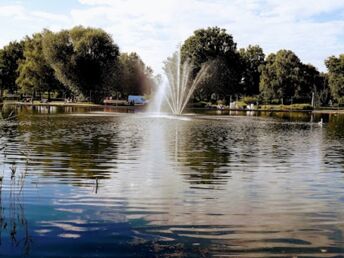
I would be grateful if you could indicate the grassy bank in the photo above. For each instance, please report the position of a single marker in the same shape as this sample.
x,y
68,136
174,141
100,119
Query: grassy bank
x,y
293,107
241,106
53,103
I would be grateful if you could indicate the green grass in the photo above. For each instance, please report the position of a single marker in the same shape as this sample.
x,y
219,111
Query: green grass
x,y
52,103
303,107
241,104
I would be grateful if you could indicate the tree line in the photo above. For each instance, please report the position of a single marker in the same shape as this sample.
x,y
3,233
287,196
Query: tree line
x,y
85,63
82,63
277,78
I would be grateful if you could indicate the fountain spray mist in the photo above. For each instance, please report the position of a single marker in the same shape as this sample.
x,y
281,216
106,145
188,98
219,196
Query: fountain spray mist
x,y
178,88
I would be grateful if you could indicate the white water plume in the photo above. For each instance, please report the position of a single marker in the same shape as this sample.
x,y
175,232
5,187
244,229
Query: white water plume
x,y
179,87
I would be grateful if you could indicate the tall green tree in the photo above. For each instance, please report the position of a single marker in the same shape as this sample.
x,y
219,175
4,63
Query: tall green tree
x,y
85,60
35,74
217,46
313,83
10,57
281,76
308,81
323,91
284,76
135,77
2,67
252,58
269,84
335,66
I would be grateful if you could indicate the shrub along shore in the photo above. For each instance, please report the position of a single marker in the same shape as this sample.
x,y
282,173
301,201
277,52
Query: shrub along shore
x,y
261,108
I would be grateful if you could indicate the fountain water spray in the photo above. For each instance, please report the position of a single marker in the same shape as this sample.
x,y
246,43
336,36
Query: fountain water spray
x,y
159,96
179,87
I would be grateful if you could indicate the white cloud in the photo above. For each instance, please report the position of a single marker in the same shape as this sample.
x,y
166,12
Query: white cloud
x,y
45,16
154,28
17,22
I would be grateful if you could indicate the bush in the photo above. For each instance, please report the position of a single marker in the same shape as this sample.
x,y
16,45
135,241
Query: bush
x,y
201,104
241,104
250,100
220,102
287,107
275,101
301,107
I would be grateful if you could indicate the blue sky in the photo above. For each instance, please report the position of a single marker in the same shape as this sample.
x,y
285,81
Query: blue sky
x,y
314,30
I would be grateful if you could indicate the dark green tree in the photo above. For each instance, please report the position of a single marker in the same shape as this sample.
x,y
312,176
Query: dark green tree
x,y
269,84
85,60
284,76
135,77
217,46
308,81
10,57
35,74
281,76
335,66
323,91
252,57
2,67
312,82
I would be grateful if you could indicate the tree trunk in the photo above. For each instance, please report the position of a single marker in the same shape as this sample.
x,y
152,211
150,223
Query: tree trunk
x,y
33,96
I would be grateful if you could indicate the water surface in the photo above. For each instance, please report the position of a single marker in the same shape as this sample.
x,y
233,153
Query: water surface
x,y
83,182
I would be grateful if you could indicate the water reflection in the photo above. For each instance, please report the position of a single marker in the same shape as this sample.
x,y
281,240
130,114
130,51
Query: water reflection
x,y
15,236
66,148
204,160
107,184
335,126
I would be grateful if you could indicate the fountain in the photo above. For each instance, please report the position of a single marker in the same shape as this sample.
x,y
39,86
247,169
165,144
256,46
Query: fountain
x,y
177,88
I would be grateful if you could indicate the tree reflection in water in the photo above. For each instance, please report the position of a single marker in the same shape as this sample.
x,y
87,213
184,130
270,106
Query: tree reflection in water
x,y
204,159
70,149
268,174
14,226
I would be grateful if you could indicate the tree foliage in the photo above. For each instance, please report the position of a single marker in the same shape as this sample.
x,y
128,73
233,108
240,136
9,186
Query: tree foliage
x,y
217,46
281,75
87,63
312,82
335,66
284,76
207,44
252,58
323,91
10,57
85,60
35,74
135,77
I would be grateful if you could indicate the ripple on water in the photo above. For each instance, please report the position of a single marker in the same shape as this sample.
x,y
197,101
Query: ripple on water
x,y
103,184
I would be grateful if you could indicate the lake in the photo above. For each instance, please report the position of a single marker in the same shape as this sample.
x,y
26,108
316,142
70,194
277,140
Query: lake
x,y
92,182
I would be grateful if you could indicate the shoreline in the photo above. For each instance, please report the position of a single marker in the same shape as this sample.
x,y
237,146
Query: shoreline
x,y
63,104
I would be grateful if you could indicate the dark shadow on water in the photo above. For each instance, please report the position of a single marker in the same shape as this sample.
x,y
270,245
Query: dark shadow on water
x,y
206,158
15,235
62,147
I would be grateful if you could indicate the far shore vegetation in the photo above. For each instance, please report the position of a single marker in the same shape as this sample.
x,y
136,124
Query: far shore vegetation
x,y
86,65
